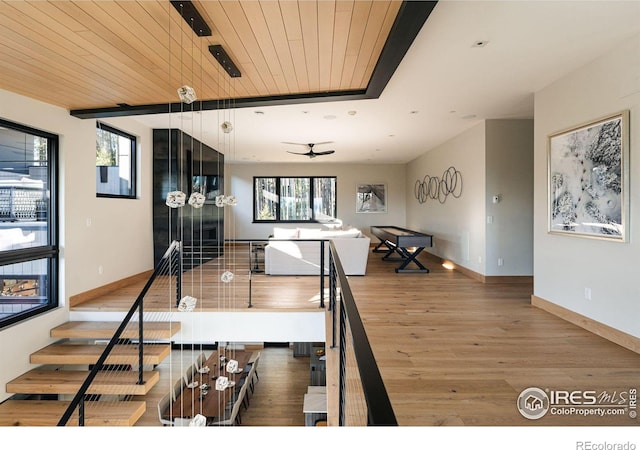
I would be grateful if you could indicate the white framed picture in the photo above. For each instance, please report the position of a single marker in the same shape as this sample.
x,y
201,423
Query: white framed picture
x,y
371,198
589,179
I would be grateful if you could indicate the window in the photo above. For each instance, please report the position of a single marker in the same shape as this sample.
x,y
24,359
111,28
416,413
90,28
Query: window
x,y
294,199
28,222
115,163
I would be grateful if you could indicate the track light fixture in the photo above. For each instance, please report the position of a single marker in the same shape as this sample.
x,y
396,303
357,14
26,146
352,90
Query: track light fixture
x,y
191,15
225,61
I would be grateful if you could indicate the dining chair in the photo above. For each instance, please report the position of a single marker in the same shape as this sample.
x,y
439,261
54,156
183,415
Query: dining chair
x,y
241,393
200,360
178,386
190,374
163,405
248,379
232,416
254,367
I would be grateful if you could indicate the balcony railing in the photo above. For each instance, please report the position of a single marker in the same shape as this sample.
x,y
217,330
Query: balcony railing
x,y
362,396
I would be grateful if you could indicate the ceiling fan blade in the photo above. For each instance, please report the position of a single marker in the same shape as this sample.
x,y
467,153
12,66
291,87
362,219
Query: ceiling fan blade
x,y
308,144
296,153
328,152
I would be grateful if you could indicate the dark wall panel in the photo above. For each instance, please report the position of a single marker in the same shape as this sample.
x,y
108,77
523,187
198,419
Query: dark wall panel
x,y
182,163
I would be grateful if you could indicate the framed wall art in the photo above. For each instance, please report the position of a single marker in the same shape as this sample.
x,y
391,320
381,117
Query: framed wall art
x,y
588,179
371,198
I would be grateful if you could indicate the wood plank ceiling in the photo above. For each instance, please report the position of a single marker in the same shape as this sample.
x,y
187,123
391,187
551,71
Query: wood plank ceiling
x,y
99,54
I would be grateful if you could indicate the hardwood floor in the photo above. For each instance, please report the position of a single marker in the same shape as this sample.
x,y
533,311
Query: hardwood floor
x,y
451,350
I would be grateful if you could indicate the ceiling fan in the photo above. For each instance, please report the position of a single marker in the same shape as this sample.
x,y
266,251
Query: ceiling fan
x,y
311,153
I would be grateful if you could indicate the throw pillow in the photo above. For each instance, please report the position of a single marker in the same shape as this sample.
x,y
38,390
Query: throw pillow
x,y
309,233
285,233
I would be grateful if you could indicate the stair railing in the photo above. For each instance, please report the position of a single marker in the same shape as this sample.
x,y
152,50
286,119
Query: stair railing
x,y
170,264
355,354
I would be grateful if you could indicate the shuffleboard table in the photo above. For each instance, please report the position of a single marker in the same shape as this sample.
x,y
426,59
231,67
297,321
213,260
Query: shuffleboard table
x,y
406,244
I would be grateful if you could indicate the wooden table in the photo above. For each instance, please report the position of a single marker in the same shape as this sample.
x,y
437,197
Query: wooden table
x,y
406,243
212,405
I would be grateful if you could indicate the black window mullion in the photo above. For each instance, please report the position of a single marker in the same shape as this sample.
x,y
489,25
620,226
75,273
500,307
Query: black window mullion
x,y
311,194
312,187
279,199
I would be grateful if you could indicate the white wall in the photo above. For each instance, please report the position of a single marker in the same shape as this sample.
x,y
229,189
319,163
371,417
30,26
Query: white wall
x,y
495,157
457,225
119,238
509,175
565,265
238,219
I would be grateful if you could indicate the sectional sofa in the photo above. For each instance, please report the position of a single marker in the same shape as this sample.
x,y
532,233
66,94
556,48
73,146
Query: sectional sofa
x,y
296,251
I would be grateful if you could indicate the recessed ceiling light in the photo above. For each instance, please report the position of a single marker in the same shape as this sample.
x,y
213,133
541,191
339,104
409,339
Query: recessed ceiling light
x,y
352,113
480,43
414,112
259,112
469,116
452,112
305,112
329,117
392,135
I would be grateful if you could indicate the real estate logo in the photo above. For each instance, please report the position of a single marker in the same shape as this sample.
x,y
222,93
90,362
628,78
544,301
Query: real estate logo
x,y
534,403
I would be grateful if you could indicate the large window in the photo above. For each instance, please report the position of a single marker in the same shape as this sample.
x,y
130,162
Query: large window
x,y
115,162
294,199
28,222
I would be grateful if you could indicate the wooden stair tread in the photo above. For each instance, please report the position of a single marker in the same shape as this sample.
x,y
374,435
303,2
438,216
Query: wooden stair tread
x,y
49,412
61,353
106,330
43,381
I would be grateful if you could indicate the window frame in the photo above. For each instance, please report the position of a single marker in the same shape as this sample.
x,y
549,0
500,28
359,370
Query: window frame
x,y
311,180
50,252
133,171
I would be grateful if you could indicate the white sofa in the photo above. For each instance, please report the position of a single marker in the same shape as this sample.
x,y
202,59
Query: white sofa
x,y
289,253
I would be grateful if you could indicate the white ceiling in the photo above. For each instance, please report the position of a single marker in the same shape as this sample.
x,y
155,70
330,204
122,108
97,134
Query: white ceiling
x,y
447,82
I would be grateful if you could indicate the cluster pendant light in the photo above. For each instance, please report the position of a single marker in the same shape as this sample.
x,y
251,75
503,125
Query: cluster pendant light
x,y
177,199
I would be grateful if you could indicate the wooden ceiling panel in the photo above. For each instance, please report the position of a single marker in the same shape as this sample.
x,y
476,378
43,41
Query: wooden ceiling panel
x,y
293,29
342,24
373,25
326,32
101,53
354,43
278,33
309,25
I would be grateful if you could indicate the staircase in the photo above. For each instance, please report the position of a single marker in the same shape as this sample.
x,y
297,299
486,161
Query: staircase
x,y
65,364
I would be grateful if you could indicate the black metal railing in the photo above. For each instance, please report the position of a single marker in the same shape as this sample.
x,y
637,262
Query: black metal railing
x,y
257,245
362,396
363,399
170,265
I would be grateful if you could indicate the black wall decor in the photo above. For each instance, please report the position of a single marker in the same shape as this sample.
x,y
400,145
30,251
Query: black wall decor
x,y
182,163
439,188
